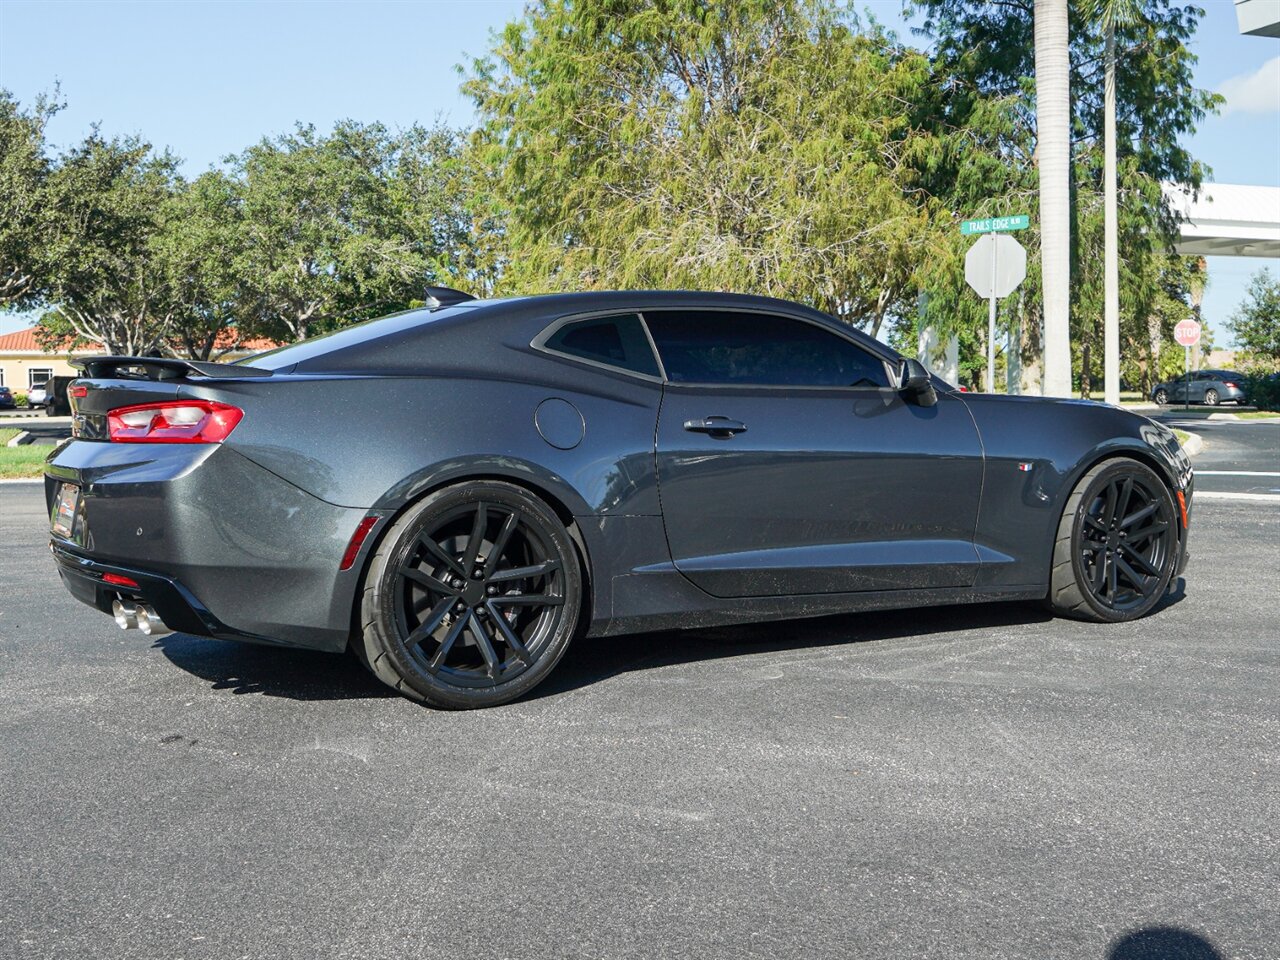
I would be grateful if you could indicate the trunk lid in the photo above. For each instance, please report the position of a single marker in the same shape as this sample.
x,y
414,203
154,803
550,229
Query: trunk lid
x,y
112,382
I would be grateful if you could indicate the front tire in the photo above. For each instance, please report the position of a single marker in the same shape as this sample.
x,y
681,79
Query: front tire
x,y
471,598
1117,544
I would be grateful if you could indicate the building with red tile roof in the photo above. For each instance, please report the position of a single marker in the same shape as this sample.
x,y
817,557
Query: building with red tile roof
x,y
25,363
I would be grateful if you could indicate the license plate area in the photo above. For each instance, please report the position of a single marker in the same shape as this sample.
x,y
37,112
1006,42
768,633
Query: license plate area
x,y
65,519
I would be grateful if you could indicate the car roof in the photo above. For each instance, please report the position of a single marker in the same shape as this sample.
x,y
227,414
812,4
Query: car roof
x,y
394,341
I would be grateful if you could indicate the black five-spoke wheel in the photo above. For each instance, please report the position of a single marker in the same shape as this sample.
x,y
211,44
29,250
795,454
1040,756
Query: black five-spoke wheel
x,y
472,597
1117,544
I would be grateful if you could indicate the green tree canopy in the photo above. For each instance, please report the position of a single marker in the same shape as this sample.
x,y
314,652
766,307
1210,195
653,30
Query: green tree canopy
x,y
200,251
752,146
984,54
106,204
340,227
1256,323
24,173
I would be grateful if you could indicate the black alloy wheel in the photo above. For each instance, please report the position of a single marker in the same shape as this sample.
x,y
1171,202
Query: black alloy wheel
x,y
1117,545
1162,397
472,597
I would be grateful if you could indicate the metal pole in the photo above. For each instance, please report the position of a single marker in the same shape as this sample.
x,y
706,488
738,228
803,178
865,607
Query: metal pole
x,y
1187,383
991,320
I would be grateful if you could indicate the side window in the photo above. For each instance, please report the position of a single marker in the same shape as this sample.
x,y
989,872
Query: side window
x,y
719,346
615,341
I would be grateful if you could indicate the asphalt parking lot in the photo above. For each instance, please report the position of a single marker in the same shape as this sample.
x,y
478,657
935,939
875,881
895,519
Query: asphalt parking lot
x,y
959,782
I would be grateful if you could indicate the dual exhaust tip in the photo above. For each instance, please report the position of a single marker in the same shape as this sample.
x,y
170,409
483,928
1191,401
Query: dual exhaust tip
x,y
130,615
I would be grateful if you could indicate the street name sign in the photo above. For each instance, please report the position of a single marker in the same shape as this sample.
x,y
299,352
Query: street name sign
x,y
1187,333
1019,221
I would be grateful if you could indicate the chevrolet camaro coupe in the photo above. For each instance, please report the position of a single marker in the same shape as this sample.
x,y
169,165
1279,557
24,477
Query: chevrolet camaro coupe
x,y
454,493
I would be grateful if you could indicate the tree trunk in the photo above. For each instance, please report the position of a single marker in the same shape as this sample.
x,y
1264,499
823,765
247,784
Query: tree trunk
x,y
1111,243
1053,149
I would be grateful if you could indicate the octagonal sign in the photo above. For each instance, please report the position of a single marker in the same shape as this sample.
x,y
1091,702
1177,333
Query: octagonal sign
x,y
1187,333
995,265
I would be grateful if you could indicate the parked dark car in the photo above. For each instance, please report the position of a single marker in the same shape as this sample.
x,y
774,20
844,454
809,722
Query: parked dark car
x,y
7,401
1210,387
55,399
455,493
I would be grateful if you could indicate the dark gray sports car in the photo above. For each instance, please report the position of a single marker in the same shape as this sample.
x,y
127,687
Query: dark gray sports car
x,y
454,493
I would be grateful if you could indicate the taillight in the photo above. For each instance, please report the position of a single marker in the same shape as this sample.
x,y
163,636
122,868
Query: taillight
x,y
1232,385
177,421
79,392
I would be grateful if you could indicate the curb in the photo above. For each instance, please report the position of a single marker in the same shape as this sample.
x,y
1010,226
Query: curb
x,y
4,480
24,436
1194,444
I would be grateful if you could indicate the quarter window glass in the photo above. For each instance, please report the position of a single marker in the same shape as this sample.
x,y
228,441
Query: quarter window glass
x,y
715,346
616,341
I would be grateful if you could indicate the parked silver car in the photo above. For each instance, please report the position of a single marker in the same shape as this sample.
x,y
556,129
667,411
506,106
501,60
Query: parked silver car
x,y
1210,387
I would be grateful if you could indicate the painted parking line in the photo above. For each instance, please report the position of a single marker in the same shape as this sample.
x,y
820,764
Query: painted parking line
x,y
1237,473
1223,495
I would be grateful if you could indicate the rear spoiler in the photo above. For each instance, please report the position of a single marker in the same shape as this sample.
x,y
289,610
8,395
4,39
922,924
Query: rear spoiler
x,y
163,368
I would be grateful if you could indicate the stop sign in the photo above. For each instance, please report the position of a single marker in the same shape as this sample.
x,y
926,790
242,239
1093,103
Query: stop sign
x,y
1187,333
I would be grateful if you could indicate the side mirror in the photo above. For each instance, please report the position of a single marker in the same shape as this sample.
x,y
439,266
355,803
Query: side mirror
x,y
915,384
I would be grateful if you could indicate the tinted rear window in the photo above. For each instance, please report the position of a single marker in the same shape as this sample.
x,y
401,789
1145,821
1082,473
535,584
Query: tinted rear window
x,y
718,346
355,335
617,341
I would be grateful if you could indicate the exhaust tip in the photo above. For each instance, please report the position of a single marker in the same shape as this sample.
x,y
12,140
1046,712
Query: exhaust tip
x,y
150,623
126,614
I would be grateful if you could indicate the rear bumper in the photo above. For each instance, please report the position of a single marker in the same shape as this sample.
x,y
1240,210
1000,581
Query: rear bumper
x,y
218,545
177,606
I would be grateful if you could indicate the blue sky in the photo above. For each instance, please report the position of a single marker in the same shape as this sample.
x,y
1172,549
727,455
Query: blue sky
x,y
207,79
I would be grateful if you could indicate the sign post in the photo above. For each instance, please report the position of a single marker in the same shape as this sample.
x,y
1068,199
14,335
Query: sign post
x,y
1187,333
993,267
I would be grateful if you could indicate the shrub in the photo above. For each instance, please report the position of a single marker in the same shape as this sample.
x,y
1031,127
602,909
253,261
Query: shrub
x,y
1263,391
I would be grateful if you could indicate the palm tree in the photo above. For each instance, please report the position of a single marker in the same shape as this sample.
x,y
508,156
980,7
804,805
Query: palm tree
x,y
1053,150
1111,13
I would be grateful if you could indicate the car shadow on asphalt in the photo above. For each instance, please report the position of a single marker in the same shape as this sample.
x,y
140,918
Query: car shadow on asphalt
x,y
1163,943
592,661
239,668
242,668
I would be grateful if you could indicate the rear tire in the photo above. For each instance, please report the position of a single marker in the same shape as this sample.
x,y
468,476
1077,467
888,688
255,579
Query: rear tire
x,y
1162,397
1117,544
471,598
1211,397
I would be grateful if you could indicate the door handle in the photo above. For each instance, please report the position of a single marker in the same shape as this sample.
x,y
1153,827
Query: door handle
x,y
721,427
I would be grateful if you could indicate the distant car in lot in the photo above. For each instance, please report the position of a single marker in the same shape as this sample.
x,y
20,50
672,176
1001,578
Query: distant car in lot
x,y
35,396
1210,387
6,399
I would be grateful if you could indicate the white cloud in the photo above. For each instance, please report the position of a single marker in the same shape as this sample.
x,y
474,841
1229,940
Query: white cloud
x,y
1257,92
